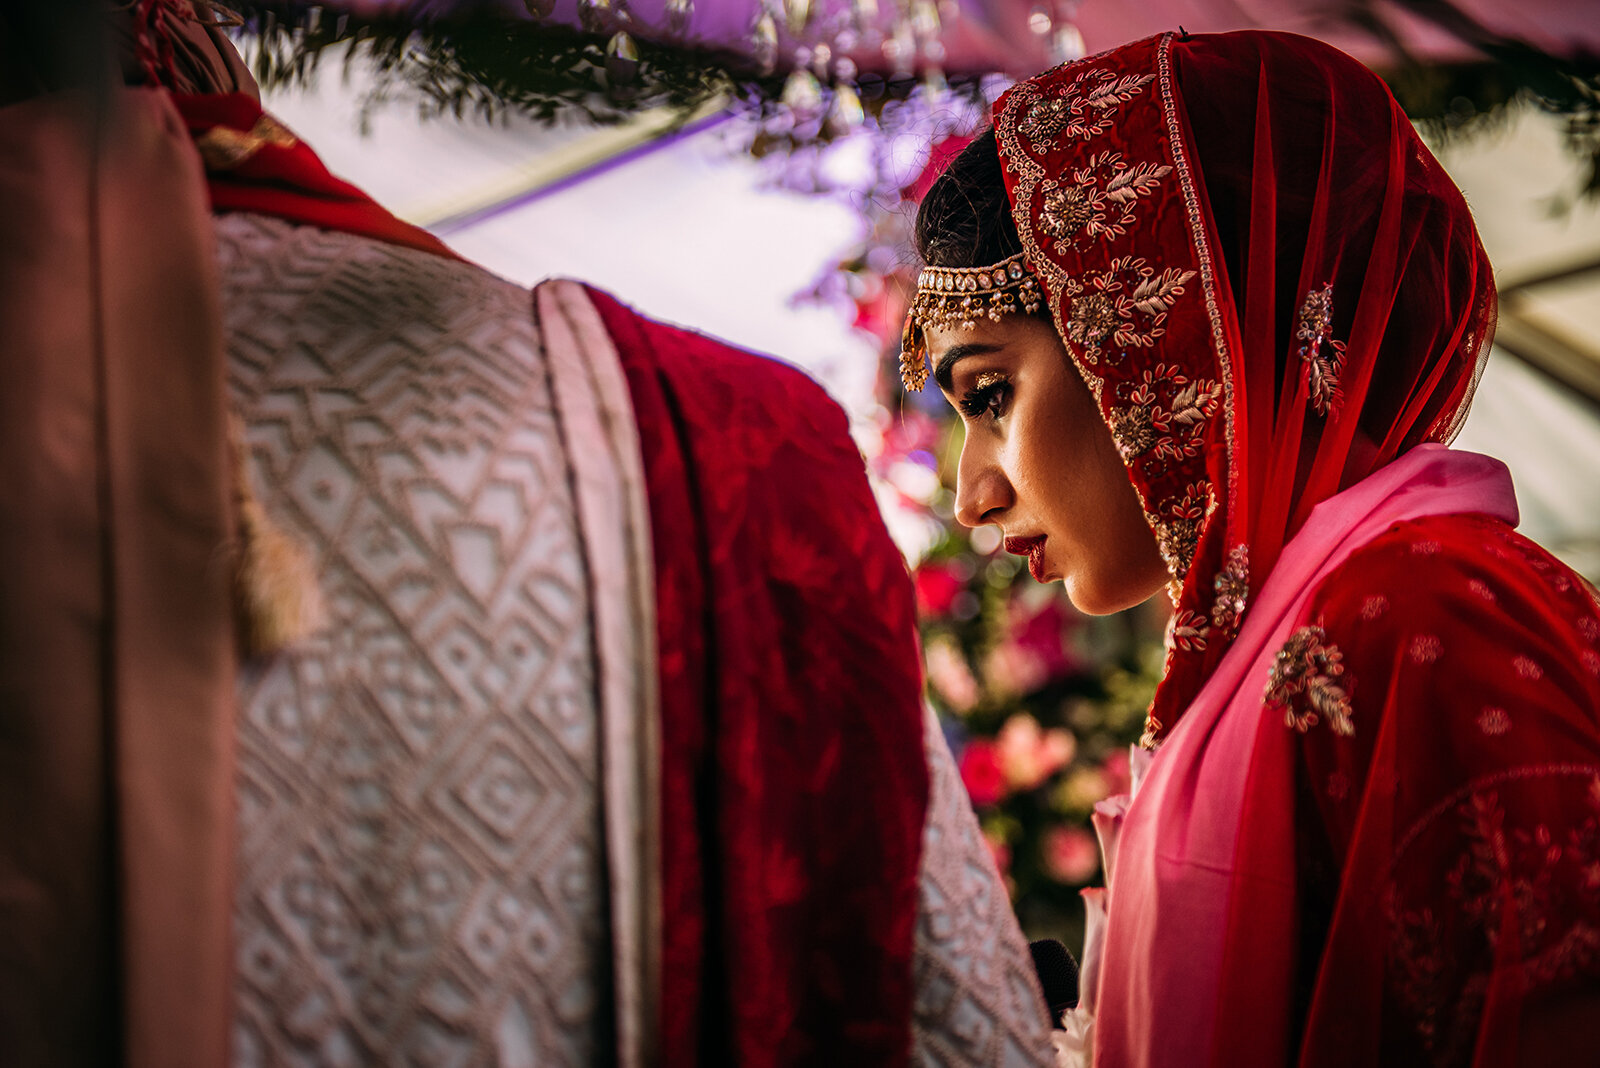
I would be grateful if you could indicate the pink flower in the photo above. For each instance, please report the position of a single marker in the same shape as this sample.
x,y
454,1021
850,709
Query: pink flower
x,y
981,773
951,677
1028,754
1033,650
1070,854
936,587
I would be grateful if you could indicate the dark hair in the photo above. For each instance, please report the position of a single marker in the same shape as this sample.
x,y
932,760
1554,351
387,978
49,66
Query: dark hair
x,y
965,219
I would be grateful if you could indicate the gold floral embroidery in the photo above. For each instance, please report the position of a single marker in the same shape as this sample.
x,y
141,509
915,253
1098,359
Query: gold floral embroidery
x,y
1099,201
1084,109
1543,874
1493,721
1527,669
1172,428
1177,528
1374,606
1425,648
1232,586
1110,305
1306,683
1322,356
224,148
1187,631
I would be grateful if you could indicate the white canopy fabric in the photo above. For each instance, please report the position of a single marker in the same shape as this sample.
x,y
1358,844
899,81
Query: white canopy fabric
x,y
693,232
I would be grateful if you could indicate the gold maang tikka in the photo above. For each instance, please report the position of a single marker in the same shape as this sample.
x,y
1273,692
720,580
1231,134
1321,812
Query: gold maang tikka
x,y
959,297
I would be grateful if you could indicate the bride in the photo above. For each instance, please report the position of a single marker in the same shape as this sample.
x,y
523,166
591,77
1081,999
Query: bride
x,y
1211,313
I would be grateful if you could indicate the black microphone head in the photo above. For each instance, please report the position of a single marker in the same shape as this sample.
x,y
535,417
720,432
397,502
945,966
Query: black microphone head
x,y
1058,975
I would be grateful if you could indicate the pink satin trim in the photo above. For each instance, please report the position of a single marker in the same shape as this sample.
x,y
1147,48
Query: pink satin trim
x,y
1162,973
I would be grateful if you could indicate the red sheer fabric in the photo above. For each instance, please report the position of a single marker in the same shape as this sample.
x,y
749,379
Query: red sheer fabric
x,y
1453,841
793,787
1274,291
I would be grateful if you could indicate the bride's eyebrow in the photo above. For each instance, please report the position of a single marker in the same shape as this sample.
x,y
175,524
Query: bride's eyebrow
x,y
954,355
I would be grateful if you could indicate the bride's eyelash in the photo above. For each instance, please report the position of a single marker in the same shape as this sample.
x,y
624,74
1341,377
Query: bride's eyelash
x,y
986,395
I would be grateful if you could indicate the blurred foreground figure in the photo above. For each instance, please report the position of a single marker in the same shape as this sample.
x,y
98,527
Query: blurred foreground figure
x,y
578,715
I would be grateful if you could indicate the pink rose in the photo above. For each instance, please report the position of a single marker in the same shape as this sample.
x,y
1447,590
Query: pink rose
x,y
981,773
1071,854
1029,754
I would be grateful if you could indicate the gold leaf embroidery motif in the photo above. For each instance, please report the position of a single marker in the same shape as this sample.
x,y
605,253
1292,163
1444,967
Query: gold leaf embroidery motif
x,y
1099,201
1232,586
1320,354
223,148
1084,109
1170,429
1307,683
1177,528
1124,305
1188,631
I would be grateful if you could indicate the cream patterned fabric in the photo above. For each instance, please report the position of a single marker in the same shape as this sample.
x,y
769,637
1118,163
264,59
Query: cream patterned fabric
x,y
420,861
423,858
978,1001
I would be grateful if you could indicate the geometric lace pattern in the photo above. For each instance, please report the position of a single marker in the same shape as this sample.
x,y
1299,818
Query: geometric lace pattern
x,y
419,869
978,1001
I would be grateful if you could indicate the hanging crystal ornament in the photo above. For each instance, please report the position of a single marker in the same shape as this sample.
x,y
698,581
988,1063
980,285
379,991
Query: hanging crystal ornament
x,y
934,86
821,57
846,114
622,58
798,15
764,43
865,12
802,94
540,9
1039,21
924,20
679,13
901,48
596,15
1066,44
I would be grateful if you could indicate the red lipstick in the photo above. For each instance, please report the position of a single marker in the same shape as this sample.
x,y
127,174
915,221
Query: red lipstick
x,y
1033,549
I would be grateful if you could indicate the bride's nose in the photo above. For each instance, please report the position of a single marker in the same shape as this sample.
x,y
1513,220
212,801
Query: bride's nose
x,y
983,492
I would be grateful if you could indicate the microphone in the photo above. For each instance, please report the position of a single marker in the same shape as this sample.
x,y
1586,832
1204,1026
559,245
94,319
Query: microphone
x,y
1058,975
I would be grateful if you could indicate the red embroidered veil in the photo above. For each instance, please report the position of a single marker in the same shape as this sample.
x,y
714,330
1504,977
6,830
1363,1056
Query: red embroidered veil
x,y
1274,292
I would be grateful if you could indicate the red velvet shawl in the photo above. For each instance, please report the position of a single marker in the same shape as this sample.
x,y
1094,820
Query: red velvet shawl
x,y
793,786
1274,290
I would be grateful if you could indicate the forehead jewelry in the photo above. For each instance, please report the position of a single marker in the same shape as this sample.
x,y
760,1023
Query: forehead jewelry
x,y
959,297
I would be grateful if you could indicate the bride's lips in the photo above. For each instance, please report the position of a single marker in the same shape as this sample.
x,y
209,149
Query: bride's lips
x,y
1033,549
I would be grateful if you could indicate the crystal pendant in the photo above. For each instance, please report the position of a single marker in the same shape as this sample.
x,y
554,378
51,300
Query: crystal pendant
x,y
622,58
925,20
540,9
595,15
846,115
764,41
1066,45
802,94
679,12
934,85
797,13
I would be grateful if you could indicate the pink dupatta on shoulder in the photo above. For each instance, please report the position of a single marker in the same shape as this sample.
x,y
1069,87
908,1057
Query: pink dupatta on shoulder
x,y
1175,952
